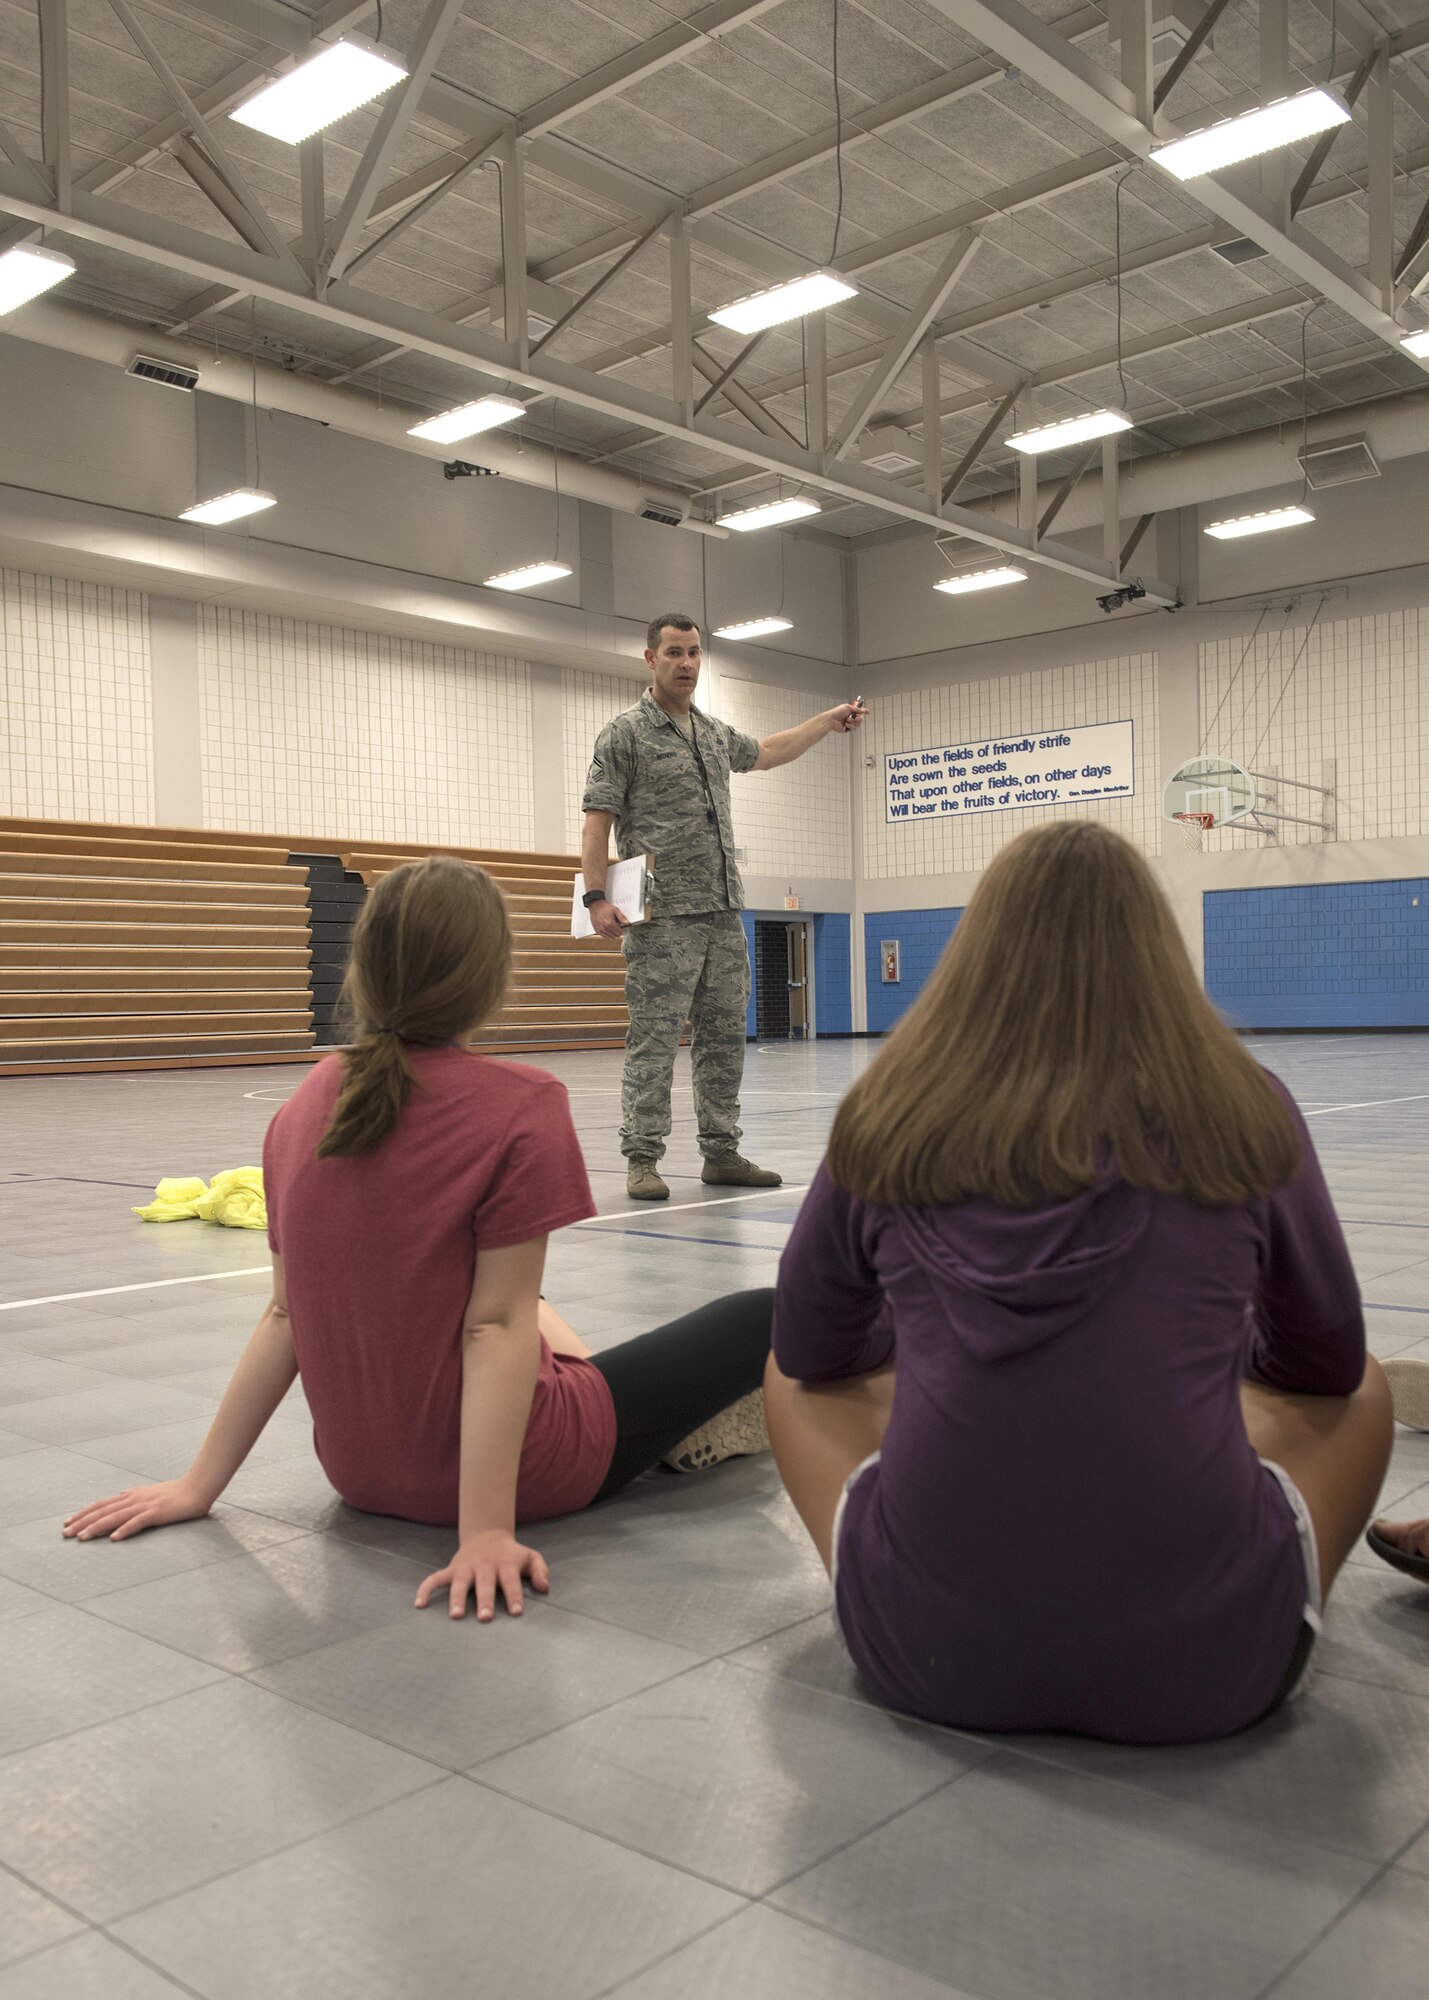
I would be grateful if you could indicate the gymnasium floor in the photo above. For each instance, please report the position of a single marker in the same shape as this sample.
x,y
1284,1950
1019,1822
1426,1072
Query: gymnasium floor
x,y
235,1763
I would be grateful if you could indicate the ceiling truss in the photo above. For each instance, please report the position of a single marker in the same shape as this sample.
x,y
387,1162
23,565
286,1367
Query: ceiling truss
x,y
315,274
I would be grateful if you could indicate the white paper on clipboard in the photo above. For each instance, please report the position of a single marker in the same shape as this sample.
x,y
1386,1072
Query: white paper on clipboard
x,y
627,885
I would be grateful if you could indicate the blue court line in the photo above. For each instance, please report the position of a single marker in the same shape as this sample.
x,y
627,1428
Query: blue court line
x,y
1372,1305
1369,1222
668,1236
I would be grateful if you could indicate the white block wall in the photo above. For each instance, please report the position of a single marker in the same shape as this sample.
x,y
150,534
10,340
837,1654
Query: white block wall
x,y
1058,697
589,701
75,724
793,820
314,730
1342,703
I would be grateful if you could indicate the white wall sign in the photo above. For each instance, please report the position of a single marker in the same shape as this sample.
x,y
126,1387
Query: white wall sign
x,y
1051,768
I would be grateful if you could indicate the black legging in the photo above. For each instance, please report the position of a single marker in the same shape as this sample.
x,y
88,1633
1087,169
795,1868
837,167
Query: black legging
x,y
667,1383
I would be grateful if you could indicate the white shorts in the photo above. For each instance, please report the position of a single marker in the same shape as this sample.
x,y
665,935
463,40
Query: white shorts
x,y
1311,1615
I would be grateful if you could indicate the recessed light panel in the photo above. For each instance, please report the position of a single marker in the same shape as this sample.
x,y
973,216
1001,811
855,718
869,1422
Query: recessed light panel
x,y
339,79
230,506
1259,524
772,307
529,577
754,628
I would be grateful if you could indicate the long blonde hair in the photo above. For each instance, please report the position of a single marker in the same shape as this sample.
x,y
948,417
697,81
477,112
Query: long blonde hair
x,y
1062,1024
429,961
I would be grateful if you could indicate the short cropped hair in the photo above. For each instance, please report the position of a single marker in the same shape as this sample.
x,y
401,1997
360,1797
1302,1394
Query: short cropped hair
x,y
681,621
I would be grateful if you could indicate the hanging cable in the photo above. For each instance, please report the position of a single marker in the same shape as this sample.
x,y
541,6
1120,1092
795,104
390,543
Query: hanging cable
x,y
838,135
1120,373
804,368
1334,40
1305,399
257,448
378,36
1285,684
1230,684
556,477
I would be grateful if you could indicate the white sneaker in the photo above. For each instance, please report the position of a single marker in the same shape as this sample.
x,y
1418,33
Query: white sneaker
x,y
1409,1387
737,1432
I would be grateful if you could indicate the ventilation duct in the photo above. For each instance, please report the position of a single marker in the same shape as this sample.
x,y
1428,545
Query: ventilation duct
x,y
1339,461
1231,468
75,331
668,517
170,374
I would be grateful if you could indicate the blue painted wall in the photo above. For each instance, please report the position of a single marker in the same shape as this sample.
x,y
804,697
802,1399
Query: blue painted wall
x,y
749,1018
921,936
833,975
833,972
1322,955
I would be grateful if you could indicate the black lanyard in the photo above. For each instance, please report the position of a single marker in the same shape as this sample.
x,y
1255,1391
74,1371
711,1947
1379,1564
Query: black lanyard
x,y
693,739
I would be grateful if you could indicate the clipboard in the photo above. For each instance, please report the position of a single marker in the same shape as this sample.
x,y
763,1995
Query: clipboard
x,y
627,885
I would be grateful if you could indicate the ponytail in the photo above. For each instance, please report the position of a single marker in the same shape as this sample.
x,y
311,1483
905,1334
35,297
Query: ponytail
x,y
376,1081
428,964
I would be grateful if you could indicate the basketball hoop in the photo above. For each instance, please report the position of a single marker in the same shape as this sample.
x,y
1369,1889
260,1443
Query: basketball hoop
x,y
1194,827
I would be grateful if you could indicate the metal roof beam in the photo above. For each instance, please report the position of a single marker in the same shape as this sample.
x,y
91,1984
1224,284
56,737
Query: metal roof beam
x,y
219,159
1107,105
899,351
157,239
396,115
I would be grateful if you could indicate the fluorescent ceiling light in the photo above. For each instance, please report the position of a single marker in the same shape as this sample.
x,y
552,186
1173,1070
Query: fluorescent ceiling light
x,y
1260,130
482,415
981,579
1072,430
533,573
754,628
27,270
230,506
1416,344
778,303
346,74
769,514
1259,524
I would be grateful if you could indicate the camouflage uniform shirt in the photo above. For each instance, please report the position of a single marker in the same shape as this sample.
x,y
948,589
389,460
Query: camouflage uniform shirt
x,y
669,792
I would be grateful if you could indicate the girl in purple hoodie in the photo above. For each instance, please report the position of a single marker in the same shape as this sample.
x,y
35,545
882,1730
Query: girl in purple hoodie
x,y
1069,1381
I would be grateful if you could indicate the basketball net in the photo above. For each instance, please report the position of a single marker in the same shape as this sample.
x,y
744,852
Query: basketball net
x,y
1194,827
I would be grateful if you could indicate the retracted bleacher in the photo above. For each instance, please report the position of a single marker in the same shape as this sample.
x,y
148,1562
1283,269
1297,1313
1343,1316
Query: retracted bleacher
x,y
125,947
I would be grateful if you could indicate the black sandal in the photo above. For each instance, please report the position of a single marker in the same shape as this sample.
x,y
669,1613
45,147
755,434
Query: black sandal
x,y
1416,1566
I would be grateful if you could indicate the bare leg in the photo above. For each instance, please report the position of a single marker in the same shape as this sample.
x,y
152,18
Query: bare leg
x,y
819,1432
560,1338
1335,1448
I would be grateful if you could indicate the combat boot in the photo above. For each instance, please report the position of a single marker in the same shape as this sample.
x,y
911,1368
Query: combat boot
x,y
643,1183
733,1170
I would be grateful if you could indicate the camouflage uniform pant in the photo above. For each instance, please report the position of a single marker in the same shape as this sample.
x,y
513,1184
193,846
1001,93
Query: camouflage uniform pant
x,y
680,969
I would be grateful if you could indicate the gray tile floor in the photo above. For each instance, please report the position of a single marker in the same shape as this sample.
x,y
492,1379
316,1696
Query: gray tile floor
x,y
235,1763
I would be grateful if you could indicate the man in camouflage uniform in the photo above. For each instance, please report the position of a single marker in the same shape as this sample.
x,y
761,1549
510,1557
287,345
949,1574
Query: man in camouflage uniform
x,y
660,776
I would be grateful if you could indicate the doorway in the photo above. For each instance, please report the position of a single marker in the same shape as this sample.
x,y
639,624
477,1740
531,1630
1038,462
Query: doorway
x,y
783,987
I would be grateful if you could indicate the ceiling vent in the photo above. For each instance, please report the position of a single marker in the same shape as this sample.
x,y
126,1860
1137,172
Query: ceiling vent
x,y
668,517
172,374
1240,250
1339,461
890,449
890,461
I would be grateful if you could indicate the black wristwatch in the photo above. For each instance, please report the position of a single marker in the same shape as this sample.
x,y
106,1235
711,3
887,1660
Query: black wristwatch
x,y
594,896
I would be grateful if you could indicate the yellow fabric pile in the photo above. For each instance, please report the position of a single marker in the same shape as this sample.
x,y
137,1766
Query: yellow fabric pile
x,y
235,1200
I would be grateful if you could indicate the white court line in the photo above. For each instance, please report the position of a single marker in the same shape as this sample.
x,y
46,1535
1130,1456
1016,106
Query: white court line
x,y
257,1270
651,1208
1369,1104
152,1285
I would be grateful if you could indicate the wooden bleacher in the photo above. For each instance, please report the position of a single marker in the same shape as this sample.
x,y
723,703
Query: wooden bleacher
x,y
125,947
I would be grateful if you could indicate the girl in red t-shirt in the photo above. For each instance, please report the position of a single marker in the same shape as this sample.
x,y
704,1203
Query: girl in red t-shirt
x,y
411,1185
